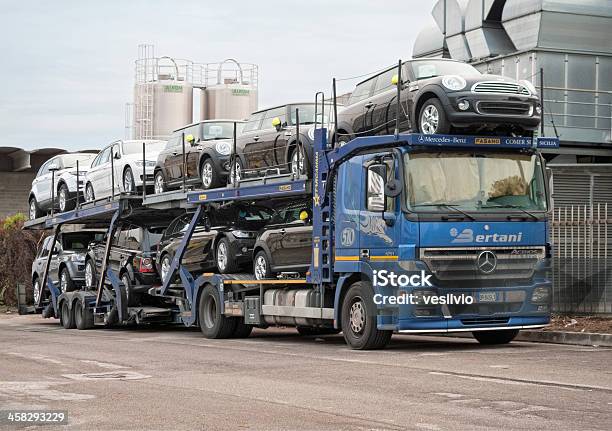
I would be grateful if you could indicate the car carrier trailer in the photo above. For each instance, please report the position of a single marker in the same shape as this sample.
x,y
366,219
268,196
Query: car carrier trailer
x,y
498,263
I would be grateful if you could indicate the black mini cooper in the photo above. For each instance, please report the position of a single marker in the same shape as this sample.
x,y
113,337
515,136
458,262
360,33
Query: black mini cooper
x,y
440,96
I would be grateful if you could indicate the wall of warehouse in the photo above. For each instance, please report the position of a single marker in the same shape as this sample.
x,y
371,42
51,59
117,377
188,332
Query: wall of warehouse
x,y
14,190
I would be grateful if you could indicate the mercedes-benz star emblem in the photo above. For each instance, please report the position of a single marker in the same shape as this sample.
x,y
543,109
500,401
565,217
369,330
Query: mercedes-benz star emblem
x,y
486,262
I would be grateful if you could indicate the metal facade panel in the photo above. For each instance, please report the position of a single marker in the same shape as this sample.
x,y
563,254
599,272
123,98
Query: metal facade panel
x,y
523,31
574,32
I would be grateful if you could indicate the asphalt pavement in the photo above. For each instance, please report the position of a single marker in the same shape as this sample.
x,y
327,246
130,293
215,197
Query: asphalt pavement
x,y
172,378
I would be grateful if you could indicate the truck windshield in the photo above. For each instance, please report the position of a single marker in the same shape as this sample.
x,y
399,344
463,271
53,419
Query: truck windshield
x,y
474,181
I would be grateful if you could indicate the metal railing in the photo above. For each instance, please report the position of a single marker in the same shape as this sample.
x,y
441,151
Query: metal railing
x,y
581,237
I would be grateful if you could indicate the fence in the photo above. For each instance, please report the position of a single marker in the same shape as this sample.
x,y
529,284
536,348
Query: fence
x,y
582,261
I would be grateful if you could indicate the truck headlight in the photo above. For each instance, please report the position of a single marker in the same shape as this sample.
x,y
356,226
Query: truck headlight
x,y
454,82
223,148
540,294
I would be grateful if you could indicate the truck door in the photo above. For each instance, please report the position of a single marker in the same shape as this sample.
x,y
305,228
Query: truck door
x,y
349,199
378,218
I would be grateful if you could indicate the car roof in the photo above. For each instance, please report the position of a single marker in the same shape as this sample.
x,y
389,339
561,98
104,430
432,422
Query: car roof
x,y
408,61
282,106
220,120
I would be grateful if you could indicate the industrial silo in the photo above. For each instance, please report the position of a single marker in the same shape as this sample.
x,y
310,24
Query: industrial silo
x,y
163,95
230,90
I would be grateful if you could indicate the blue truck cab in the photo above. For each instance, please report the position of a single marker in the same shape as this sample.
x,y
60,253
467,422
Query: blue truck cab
x,y
440,233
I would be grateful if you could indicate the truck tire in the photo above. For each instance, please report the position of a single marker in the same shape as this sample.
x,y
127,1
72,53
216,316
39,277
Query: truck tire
x,y
67,316
359,319
83,316
307,331
212,323
503,336
242,329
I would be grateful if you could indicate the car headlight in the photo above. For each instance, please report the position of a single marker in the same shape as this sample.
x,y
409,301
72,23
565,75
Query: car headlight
x,y
529,86
311,133
223,148
77,258
454,82
138,163
242,234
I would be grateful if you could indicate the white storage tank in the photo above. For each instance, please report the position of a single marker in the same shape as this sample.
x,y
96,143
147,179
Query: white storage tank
x,y
230,91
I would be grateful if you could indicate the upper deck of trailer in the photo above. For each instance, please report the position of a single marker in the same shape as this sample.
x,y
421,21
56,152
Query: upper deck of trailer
x,y
166,205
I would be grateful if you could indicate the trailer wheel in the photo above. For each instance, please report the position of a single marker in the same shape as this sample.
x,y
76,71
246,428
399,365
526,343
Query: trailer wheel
x,y
242,329
359,319
495,337
67,316
83,316
307,331
212,323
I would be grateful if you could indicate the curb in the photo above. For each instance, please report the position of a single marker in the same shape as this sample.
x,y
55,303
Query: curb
x,y
559,337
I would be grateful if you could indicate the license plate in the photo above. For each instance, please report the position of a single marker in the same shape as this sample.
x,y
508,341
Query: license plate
x,y
487,297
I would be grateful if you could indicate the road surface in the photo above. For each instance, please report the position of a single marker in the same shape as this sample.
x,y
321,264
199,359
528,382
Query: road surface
x,y
172,378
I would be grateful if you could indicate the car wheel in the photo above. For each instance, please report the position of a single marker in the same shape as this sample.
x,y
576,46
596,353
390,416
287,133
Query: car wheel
x,y
495,337
213,324
35,212
226,263
36,290
67,316
166,262
65,203
90,275
296,165
83,317
89,193
131,297
66,283
261,266
208,175
236,172
160,182
343,140
128,181
432,118
359,319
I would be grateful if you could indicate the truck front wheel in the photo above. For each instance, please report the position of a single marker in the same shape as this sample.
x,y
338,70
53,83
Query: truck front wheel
x,y
213,324
495,337
359,319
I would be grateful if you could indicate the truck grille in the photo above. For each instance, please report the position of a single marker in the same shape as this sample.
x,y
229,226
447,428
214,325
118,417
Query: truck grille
x,y
457,264
500,87
504,108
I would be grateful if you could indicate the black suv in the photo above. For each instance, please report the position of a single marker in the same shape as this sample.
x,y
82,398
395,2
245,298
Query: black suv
x,y
268,142
440,96
223,240
285,244
132,257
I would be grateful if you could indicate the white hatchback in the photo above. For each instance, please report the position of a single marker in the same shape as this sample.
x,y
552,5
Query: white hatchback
x,y
129,168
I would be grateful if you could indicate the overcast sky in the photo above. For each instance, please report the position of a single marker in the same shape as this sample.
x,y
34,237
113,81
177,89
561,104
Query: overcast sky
x,y
68,66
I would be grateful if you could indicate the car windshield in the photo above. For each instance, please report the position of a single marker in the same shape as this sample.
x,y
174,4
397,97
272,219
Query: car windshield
x,y
474,181
422,69
135,147
221,130
78,241
70,160
307,114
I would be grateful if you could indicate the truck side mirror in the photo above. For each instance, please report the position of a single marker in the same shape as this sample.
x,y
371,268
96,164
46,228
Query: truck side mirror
x,y
393,188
